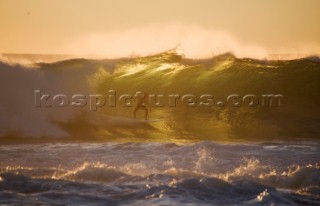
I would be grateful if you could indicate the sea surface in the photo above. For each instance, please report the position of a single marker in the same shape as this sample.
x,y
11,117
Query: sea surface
x,y
203,173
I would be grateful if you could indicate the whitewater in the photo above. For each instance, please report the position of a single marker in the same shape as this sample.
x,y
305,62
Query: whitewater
x,y
219,155
204,173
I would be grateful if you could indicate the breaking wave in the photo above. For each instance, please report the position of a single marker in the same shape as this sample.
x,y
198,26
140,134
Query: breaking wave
x,y
164,73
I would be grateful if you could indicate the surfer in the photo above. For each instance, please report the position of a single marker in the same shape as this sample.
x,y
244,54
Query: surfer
x,y
142,103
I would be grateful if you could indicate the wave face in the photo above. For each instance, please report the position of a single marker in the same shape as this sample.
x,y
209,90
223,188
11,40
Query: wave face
x,y
165,73
203,173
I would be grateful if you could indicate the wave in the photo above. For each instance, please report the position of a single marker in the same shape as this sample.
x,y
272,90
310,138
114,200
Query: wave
x,y
121,173
165,73
203,191
295,177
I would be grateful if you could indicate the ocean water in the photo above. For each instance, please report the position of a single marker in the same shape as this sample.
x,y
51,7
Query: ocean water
x,y
297,116
203,173
211,155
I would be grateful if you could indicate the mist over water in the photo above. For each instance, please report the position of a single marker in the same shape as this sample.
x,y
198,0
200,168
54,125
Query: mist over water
x,y
194,40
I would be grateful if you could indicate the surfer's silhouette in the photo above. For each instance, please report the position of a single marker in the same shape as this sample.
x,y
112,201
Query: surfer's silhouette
x,y
142,103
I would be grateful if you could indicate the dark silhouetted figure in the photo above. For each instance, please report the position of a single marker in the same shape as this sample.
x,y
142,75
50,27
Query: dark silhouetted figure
x,y
142,103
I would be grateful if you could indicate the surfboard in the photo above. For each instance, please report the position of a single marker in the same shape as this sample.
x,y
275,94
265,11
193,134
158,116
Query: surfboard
x,y
148,120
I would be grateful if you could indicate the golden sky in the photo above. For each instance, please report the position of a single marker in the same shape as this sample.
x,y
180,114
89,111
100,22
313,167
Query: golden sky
x,y
122,27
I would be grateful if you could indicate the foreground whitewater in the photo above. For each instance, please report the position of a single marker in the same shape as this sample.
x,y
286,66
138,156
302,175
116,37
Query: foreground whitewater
x,y
204,173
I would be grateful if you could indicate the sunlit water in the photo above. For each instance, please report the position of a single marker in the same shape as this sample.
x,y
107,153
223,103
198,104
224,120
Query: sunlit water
x,y
204,173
